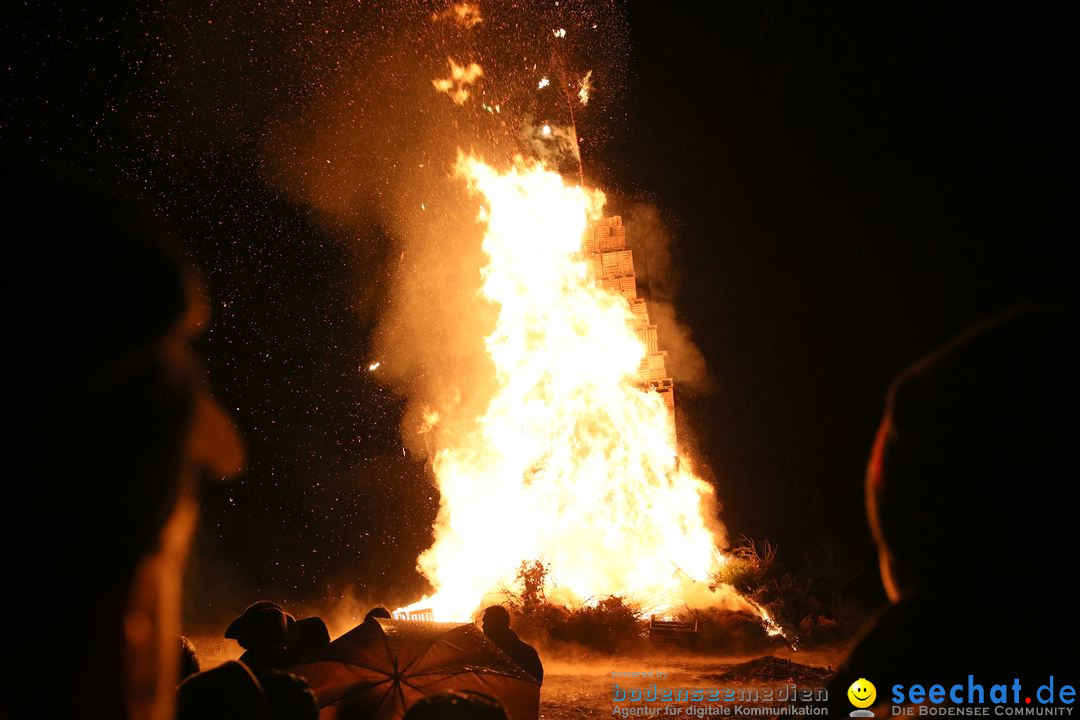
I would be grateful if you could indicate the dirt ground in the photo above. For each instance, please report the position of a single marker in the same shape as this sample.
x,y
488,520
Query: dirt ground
x,y
583,689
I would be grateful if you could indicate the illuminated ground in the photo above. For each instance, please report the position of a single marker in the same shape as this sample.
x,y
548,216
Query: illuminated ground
x,y
581,688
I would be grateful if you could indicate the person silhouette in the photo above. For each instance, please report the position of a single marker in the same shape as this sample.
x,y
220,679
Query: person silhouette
x,y
377,612
263,631
962,492
496,625
229,691
305,637
114,429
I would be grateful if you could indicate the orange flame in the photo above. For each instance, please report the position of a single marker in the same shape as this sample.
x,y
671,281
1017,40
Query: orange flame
x,y
572,463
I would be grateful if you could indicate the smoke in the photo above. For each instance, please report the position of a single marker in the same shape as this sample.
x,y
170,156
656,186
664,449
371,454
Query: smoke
x,y
371,150
555,145
653,243
372,154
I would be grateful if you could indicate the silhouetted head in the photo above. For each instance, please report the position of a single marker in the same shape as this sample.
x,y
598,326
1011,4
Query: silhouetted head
x,y
289,697
113,427
305,637
457,705
495,620
262,626
227,692
189,659
115,411
963,482
377,612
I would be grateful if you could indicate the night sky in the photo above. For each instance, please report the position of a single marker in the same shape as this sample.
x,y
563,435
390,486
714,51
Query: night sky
x,y
847,186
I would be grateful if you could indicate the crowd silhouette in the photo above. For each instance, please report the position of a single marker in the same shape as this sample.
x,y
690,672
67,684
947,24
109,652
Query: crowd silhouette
x,y
260,684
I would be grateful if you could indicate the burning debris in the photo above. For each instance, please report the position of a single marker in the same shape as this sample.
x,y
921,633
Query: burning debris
x,y
461,77
465,15
584,88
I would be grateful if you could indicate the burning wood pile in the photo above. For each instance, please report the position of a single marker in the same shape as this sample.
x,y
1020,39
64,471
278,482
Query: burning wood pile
x,y
578,432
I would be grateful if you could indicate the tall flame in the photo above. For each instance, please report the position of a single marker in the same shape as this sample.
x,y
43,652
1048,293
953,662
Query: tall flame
x,y
572,463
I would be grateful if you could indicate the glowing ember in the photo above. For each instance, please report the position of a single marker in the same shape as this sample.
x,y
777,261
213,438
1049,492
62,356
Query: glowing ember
x,y
572,462
374,366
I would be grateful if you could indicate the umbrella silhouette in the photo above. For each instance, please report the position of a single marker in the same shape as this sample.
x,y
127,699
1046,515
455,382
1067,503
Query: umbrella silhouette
x,y
380,668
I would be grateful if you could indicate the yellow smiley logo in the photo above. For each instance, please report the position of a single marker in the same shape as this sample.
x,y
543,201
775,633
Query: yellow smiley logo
x,y
862,693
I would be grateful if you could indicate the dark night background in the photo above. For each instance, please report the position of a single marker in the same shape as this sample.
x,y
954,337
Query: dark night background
x,y
850,184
